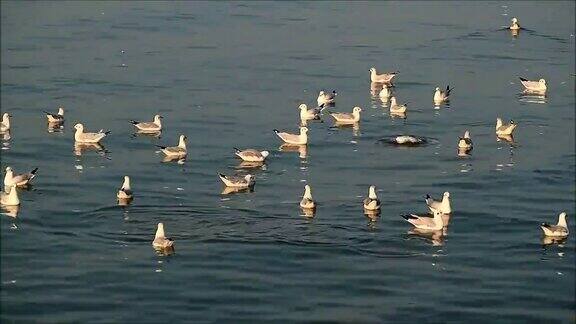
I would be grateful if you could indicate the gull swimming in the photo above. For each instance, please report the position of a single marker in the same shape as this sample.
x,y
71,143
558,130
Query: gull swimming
x,y
372,202
348,118
381,78
396,108
441,96
558,230
308,114
465,142
125,191
426,223
251,155
307,201
237,182
297,139
534,86
9,198
514,25
160,239
385,93
175,151
325,98
442,206
19,180
154,126
410,140
5,124
56,118
502,129
81,137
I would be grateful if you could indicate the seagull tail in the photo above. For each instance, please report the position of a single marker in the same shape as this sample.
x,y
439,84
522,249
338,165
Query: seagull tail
x,y
237,150
276,131
133,122
545,225
222,176
448,90
522,79
407,216
160,146
33,172
107,132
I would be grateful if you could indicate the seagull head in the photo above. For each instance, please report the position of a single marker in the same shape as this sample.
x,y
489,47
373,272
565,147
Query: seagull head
x,y
357,109
79,127
303,106
542,81
265,154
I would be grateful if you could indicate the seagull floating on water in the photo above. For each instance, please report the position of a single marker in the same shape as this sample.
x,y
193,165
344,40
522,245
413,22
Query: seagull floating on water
x,y
385,93
441,96
160,239
514,25
325,98
20,180
297,139
348,118
465,142
442,206
558,230
125,191
237,182
154,126
502,129
9,198
81,137
396,108
307,201
372,202
534,86
5,124
381,78
251,155
57,118
309,114
175,151
424,222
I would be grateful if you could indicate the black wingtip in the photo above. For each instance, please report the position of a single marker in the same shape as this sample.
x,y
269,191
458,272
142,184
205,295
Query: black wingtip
x,y
107,132
276,131
160,146
34,171
133,122
545,225
406,216
222,175
237,149
522,79
428,196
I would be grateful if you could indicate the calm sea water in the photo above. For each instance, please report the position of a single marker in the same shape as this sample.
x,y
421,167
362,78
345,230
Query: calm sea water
x,y
225,75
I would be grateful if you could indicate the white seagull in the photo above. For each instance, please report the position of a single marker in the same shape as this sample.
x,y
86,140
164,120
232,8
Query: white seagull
x,y
325,98
442,206
534,86
9,198
385,93
154,126
56,118
348,118
81,137
5,124
308,114
297,139
465,142
175,151
395,107
514,25
160,239
307,201
125,191
19,180
381,78
426,223
558,230
237,182
441,96
372,202
502,129
251,155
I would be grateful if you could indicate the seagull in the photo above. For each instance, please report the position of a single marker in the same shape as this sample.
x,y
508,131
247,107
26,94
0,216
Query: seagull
x,y
514,25
5,124
558,230
534,86
251,155
160,239
426,223
442,206
407,140
55,118
9,198
502,129
20,180
372,202
82,137
297,139
385,93
441,96
154,126
381,78
307,201
237,182
309,114
125,191
396,108
175,151
465,142
348,118
325,98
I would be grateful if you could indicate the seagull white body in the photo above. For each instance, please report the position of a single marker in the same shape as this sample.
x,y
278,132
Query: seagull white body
x,y
160,239
56,118
381,78
308,114
372,202
175,151
9,198
5,124
297,139
237,182
426,223
348,118
514,25
558,230
19,180
154,126
325,98
307,201
395,107
502,129
442,206
534,86
81,137
465,142
251,155
385,93
407,139
441,96
125,191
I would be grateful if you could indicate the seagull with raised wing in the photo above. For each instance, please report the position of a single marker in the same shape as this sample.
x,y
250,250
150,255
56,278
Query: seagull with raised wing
x,y
425,222
396,108
348,118
504,129
57,118
20,180
381,78
10,197
372,202
152,127
441,96
534,86
443,206
558,230
307,201
297,139
175,151
160,239
465,142
5,124
238,181
251,155
125,191
309,114
81,137
326,98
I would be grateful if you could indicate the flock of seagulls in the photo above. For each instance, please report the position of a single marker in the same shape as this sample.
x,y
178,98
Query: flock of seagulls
x,y
440,210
